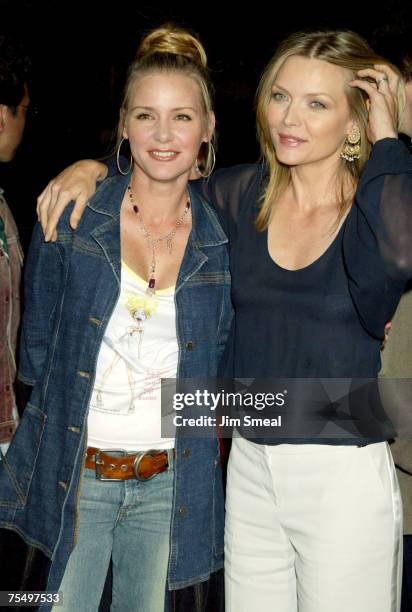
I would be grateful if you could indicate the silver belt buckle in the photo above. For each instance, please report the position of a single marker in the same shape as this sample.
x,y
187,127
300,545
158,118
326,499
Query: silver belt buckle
x,y
136,463
98,462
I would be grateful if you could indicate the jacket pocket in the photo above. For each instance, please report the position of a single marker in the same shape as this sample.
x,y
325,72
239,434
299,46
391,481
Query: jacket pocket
x,y
18,465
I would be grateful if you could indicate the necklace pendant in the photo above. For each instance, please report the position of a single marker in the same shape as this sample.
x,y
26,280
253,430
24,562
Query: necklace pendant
x,y
151,286
169,245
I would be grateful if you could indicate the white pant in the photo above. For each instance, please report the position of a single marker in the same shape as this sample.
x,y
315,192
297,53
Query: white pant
x,y
312,528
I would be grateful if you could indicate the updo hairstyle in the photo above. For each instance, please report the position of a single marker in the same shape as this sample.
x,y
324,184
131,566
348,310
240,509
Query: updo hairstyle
x,y
170,48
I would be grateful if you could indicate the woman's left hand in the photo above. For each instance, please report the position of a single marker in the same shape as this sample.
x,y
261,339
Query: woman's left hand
x,y
383,100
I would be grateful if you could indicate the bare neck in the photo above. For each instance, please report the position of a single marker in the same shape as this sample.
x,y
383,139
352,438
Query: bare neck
x,y
158,201
316,185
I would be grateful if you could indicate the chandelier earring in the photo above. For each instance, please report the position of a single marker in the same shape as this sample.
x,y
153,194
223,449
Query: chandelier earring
x,y
207,166
118,159
352,146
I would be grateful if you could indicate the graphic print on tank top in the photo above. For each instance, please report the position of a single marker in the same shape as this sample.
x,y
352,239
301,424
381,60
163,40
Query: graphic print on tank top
x,y
139,348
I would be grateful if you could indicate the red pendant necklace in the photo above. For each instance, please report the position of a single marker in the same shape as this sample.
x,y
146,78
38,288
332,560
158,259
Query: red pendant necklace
x,y
153,242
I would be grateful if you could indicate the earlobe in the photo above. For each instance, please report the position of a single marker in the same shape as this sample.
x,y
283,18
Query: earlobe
x,y
3,115
354,126
355,133
211,126
122,121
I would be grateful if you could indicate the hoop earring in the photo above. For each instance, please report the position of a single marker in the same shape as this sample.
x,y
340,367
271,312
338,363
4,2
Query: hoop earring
x,y
210,161
352,146
118,159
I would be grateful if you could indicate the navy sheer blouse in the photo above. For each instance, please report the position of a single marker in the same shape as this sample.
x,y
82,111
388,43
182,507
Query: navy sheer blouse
x,y
326,319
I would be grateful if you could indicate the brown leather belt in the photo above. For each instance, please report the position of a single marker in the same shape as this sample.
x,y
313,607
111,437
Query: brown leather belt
x,y
143,465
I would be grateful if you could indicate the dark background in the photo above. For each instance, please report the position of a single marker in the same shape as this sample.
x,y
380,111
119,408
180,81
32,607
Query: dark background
x,y
81,50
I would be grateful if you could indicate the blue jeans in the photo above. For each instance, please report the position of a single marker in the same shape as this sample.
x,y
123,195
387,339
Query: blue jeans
x,y
130,522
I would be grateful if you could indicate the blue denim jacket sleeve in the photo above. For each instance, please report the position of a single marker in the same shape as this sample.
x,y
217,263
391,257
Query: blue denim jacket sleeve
x,y
42,281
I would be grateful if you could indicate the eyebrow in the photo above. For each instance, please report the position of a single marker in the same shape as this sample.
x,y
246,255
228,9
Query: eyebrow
x,y
318,93
178,108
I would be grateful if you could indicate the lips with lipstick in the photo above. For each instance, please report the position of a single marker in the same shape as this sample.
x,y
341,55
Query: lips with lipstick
x,y
288,140
163,155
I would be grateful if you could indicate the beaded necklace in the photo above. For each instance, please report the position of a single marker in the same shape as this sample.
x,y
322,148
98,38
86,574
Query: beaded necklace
x,y
153,242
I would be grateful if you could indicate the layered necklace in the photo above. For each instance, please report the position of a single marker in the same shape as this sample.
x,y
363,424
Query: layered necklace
x,y
153,242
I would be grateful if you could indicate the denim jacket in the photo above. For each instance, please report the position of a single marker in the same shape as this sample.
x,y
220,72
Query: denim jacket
x,y
72,287
11,257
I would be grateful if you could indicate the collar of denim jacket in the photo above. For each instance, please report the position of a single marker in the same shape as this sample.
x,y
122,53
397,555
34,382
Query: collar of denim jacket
x,y
206,228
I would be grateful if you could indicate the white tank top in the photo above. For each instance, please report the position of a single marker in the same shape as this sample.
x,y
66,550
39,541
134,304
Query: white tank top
x,y
138,349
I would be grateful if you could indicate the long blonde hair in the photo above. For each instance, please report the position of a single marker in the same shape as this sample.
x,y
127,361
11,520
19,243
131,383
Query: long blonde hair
x,y
341,48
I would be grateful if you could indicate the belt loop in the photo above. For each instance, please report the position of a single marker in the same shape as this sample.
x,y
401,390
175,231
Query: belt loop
x,y
171,453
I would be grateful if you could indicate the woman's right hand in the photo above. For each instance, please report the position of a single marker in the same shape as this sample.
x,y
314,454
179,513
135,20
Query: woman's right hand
x,y
76,183
383,100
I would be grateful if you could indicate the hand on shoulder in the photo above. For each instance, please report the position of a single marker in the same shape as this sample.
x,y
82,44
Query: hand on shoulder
x,y
76,183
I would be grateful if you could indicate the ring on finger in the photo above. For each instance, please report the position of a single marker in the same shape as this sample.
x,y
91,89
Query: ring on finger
x,y
381,79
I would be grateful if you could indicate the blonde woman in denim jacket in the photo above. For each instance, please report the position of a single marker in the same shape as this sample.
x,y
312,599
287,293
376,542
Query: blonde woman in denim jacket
x,y
141,292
